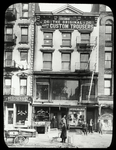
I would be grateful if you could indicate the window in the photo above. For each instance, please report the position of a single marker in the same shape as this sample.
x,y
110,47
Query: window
x,y
42,90
21,114
47,61
48,38
8,58
85,38
66,39
7,89
66,59
108,31
107,60
84,61
24,56
25,10
107,87
24,34
23,86
65,89
9,34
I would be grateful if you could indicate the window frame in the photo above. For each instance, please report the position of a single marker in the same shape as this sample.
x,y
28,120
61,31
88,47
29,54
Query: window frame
x,y
108,33
7,35
25,10
110,88
63,61
26,53
48,45
24,35
47,61
23,86
8,85
87,41
85,61
66,39
110,52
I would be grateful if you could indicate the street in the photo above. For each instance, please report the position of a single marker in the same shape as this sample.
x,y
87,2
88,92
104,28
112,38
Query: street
x,y
92,140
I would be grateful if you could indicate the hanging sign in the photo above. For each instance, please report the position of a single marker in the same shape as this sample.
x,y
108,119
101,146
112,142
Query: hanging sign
x,y
18,98
69,22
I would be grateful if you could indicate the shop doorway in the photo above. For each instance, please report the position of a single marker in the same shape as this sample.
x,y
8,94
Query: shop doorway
x,y
10,116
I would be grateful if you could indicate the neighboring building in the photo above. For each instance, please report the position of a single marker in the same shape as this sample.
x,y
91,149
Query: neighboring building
x,y
18,64
66,66
106,65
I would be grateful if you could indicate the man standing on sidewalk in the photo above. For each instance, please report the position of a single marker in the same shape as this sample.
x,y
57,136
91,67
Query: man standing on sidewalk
x,y
91,126
100,126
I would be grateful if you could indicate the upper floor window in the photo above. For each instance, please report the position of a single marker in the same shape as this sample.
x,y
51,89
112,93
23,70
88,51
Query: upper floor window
x,y
108,60
23,86
25,11
108,31
24,56
47,60
24,34
9,33
7,88
48,38
85,38
8,58
66,60
84,61
66,39
107,86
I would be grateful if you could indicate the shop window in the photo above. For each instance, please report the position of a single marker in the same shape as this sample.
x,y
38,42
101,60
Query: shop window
x,y
42,91
108,31
107,87
24,34
47,61
10,116
7,89
21,114
66,59
9,34
66,39
65,89
84,58
108,60
48,38
23,86
85,38
25,10
24,56
41,114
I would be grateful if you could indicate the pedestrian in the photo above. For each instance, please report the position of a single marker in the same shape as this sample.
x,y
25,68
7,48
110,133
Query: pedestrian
x,y
54,122
64,129
100,126
91,126
84,126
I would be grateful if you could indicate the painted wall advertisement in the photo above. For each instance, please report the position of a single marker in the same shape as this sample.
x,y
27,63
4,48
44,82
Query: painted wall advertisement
x,y
69,22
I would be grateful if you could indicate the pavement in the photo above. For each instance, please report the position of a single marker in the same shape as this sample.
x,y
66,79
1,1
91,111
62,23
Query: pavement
x,y
52,139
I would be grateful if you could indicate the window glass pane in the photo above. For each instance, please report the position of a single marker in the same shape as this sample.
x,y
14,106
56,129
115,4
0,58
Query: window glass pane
x,y
10,117
107,64
106,91
23,90
47,65
65,57
107,56
24,38
24,56
65,65
48,42
25,14
41,114
84,57
84,65
108,29
7,81
85,36
41,91
47,56
9,30
47,35
23,82
107,83
65,89
66,35
9,55
108,37
24,31
21,114
108,48
25,6
66,42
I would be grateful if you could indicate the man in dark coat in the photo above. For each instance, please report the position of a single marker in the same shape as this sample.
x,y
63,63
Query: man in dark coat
x,y
84,126
63,133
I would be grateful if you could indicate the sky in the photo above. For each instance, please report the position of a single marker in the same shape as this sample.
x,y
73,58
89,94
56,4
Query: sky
x,y
53,6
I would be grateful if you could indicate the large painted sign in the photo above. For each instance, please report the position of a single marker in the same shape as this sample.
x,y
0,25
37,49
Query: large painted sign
x,y
18,98
66,22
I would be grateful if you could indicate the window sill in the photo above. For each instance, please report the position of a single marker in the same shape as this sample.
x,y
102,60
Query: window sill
x,y
23,42
46,69
66,50
66,46
47,45
47,50
24,17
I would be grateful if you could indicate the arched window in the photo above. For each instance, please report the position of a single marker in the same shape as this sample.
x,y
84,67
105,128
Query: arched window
x,y
108,31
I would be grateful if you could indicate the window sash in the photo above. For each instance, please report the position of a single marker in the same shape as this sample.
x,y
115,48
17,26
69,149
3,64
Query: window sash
x,y
85,38
108,37
84,65
108,29
24,56
107,91
48,41
48,35
47,56
84,57
23,82
66,65
9,31
66,42
8,55
24,38
47,65
25,13
66,36
25,6
65,57
107,83
23,90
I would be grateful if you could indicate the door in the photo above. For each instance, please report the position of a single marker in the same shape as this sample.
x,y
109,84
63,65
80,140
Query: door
x,y
10,114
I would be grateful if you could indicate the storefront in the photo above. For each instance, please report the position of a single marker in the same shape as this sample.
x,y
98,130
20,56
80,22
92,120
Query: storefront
x,y
17,111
